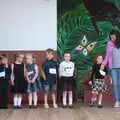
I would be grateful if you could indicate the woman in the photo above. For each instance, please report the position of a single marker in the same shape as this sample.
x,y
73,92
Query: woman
x,y
109,59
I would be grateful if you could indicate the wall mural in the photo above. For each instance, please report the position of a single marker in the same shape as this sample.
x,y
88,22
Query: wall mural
x,y
83,29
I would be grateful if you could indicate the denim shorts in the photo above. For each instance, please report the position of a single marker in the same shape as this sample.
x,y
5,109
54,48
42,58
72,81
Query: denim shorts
x,y
49,88
32,87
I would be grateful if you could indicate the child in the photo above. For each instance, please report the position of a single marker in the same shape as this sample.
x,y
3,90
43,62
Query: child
x,y
49,74
66,73
17,80
97,81
5,72
32,75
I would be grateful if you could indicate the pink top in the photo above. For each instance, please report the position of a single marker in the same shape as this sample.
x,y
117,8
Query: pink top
x,y
108,57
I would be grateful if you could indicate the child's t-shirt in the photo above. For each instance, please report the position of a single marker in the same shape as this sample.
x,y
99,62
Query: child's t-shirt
x,y
50,68
66,69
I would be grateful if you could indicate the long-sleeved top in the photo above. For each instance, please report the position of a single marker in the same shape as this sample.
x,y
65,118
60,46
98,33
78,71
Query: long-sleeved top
x,y
5,72
66,69
108,57
96,72
116,58
50,70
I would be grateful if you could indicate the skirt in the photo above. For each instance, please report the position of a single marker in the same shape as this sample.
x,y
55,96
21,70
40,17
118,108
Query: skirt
x,y
99,85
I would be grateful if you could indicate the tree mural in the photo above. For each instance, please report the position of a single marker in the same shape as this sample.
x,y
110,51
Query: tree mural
x,y
84,33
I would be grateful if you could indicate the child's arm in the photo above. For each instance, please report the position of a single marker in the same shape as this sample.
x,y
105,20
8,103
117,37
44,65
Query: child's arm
x,y
36,74
43,72
12,74
92,74
60,69
26,74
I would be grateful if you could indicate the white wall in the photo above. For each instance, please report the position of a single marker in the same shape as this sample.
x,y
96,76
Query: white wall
x,y
28,24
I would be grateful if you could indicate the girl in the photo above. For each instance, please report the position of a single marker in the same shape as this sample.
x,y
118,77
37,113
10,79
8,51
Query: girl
x,y
17,80
32,75
5,72
97,81
66,72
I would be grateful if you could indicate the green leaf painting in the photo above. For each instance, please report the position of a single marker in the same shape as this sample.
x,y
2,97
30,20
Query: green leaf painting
x,y
77,34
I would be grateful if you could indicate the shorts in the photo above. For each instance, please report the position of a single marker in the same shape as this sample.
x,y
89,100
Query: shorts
x,y
32,87
66,83
49,88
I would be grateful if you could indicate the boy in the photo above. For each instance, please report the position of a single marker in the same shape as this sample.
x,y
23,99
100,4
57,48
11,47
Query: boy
x,y
49,74
66,73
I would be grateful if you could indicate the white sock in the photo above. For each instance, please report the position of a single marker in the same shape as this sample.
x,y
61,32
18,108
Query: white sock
x,y
15,101
19,101
64,99
70,99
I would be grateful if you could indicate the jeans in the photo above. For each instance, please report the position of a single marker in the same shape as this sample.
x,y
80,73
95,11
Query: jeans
x,y
116,83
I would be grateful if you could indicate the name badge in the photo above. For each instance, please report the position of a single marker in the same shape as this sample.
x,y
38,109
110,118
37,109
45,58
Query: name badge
x,y
52,71
2,74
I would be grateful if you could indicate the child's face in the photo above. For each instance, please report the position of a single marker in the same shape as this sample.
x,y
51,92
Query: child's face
x,y
113,38
4,61
99,59
29,59
49,56
67,57
20,58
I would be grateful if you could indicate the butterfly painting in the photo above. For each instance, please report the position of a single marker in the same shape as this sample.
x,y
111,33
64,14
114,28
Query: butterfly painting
x,y
85,47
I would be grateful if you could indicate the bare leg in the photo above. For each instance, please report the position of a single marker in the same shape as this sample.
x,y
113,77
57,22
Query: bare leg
x,y
46,101
100,99
30,99
94,98
35,98
54,100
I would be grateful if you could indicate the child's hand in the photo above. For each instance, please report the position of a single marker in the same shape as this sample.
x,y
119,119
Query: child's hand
x,y
29,81
90,83
33,80
102,67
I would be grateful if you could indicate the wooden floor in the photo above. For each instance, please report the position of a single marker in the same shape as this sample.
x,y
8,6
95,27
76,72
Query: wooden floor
x,y
79,112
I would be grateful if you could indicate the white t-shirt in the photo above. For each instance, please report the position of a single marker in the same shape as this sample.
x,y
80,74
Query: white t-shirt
x,y
66,69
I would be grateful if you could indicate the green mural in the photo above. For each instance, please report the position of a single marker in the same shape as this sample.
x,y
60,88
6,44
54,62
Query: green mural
x,y
83,37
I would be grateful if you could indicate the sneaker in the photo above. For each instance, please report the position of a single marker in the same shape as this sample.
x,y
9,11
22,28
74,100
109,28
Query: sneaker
x,y
15,107
55,105
70,106
46,106
116,105
100,106
64,106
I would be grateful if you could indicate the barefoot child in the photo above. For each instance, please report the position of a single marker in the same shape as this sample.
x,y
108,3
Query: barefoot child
x,y
49,74
31,76
5,72
66,73
18,80
98,82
